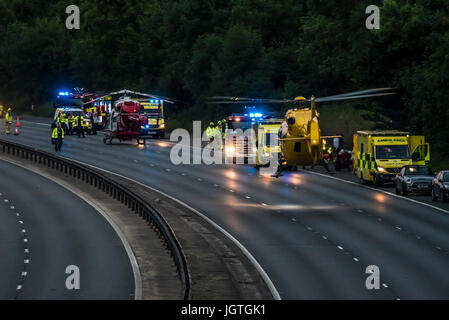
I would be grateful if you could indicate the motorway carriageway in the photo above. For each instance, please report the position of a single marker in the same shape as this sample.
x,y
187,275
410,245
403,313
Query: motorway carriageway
x,y
44,228
314,236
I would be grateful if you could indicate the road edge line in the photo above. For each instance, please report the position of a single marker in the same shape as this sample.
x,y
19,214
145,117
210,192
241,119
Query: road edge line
x,y
128,249
382,191
274,292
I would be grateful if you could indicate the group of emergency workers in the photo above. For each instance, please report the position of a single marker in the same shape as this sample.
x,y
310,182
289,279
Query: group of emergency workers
x,y
220,129
64,125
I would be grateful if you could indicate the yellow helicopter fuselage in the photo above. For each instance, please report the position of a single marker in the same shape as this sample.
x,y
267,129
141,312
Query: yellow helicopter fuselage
x,y
301,141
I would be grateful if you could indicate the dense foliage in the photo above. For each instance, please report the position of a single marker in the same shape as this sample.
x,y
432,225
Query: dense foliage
x,y
190,49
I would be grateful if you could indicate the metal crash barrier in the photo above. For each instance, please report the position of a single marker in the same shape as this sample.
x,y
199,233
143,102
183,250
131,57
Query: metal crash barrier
x,y
116,191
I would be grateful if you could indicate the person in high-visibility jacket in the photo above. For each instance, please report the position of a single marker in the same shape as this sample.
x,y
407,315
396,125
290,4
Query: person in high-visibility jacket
x,y
210,131
80,126
64,122
58,137
8,120
1,111
71,123
224,126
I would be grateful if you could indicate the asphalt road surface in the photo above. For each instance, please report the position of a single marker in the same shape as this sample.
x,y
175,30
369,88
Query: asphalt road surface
x,y
45,228
314,236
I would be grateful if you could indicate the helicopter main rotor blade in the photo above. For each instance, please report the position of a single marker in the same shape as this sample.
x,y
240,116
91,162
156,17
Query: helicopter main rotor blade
x,y
359,93
330,99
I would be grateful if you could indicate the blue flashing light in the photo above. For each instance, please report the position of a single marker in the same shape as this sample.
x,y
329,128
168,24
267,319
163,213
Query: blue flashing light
x,y
251,115
61,93
258,115
147,126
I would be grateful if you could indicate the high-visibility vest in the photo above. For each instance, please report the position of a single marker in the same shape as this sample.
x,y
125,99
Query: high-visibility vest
x,y
8,117
210,132
77,119
55,134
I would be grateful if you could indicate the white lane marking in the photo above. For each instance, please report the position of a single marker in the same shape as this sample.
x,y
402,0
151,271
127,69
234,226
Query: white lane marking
x,y
26,261
24,231
19,287
294,220
39,123
385,286
247,197
399,228
231,191
6,200
274,292
12,207
129,251
21,222
216,185
324,237
264,204
382,191
355,259
26,251
24,274
340,247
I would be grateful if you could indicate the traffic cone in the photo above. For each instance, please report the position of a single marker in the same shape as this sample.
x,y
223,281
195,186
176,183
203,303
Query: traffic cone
x,y
18,123
16,132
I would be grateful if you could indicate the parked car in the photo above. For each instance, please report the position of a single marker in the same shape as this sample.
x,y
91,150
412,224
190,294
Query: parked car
x,y
413,179
440,186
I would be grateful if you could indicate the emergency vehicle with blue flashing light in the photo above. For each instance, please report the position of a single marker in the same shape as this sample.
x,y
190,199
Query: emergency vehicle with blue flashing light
x,y
68,103
252,138
152,119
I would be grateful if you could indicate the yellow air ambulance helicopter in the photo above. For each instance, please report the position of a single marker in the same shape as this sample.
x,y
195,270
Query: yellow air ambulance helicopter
x,y
300,134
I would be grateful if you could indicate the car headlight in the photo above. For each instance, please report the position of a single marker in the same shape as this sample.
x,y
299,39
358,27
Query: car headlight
x,y
381,169
162,126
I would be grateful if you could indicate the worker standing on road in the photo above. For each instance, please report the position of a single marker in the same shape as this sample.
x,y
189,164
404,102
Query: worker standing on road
x,y
94,121
79,120
64,122
71,122
224,126
58,137
8,120
210,132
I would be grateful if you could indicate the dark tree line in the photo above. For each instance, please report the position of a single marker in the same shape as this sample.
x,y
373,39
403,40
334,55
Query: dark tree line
x,y
191,49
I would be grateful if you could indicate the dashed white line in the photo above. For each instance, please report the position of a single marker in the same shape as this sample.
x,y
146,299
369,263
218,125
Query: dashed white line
x,y
384,285
355,259
247,197
340,247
